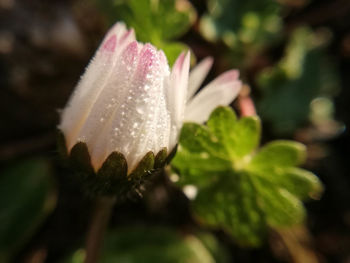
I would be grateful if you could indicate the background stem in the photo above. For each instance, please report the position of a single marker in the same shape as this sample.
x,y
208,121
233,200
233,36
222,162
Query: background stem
x,y
99,222
245,102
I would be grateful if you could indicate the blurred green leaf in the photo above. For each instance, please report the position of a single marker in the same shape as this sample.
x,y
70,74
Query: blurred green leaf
x,y
218,250
27,196
303,74
78,256
155,244
283,154
155,21
241,188
241,23
172,50
144,244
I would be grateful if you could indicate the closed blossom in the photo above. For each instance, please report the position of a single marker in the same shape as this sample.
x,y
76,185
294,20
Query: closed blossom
x,y
130,101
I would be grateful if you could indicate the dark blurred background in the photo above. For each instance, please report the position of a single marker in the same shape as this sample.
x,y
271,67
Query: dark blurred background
x,y
295,57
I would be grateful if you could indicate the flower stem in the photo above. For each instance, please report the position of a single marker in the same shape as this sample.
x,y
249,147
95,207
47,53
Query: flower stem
x,y
245,102
99,222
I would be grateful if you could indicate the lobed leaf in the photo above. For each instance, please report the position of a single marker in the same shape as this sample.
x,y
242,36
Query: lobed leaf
x,y
242,189
278,154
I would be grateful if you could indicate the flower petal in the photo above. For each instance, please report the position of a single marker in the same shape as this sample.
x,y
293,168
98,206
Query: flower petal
x,y
132,127
221,91
93,81
177,94
197,76
110,98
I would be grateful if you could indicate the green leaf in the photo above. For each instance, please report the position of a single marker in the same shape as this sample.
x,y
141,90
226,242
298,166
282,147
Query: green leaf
x,y
218,251
153,244
242,189
239,138
221,122
201,168
198,139
299,182
172,50
245,26
27,197
281,208
303,74
147,17
278,154
158,22
230,203
149,244
246,136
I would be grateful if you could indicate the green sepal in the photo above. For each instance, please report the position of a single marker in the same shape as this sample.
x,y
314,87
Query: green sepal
x,y
79,158
114,164
61,144
161,158
112,178
144,167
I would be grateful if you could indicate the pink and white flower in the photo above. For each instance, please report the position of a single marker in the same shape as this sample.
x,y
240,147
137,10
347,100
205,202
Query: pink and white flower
x,y
128,99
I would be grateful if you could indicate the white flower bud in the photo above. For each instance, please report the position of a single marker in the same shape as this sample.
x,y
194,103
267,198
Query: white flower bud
x,y
129,101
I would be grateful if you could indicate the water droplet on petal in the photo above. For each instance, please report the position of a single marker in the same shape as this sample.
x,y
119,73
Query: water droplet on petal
x,y
140,110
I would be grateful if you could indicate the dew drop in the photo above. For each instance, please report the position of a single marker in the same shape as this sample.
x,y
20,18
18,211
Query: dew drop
x,y
140,110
